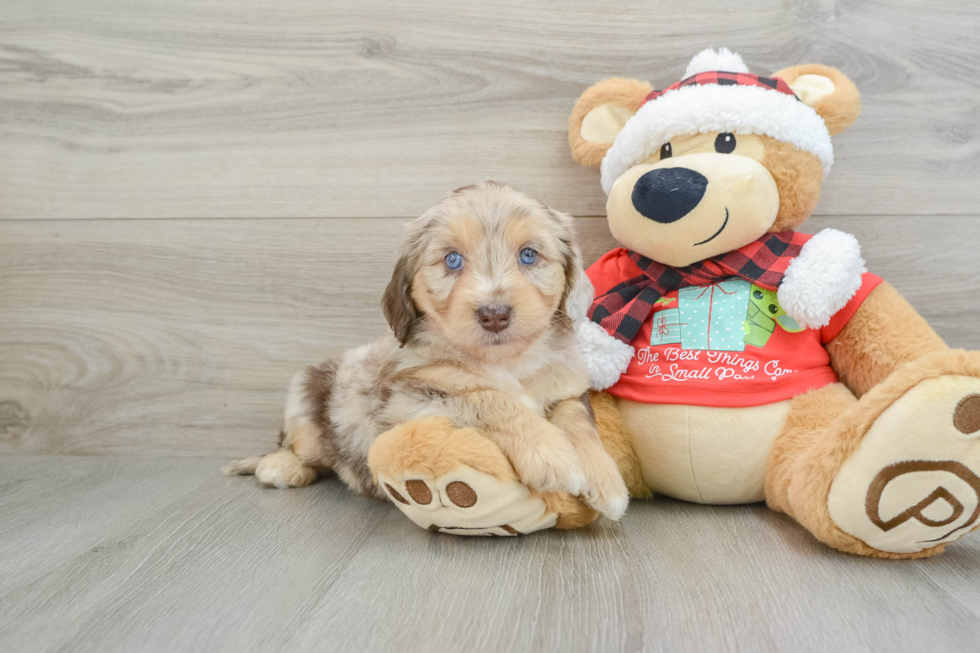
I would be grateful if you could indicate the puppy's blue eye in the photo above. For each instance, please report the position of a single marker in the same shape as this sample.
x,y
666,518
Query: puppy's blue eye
x,y
454,260
528,256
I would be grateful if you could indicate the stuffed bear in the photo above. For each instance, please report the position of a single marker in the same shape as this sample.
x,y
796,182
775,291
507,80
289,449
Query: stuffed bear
x,y
733,359
742,361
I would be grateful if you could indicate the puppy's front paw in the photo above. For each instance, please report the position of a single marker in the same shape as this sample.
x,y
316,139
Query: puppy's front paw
x,y
610,501
550,472
605,490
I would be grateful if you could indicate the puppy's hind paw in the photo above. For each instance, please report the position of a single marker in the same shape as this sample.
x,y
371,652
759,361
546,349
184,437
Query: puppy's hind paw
x,y
284,469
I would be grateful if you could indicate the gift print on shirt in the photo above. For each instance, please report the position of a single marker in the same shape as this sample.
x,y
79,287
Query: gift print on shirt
x,y
712,316
723,316
666,322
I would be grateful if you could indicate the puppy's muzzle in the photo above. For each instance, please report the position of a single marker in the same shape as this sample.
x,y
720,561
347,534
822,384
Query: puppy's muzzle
x,y
666,195
494,318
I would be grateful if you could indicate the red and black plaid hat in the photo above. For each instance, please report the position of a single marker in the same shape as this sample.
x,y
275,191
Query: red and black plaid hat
x,y
723,78
717,94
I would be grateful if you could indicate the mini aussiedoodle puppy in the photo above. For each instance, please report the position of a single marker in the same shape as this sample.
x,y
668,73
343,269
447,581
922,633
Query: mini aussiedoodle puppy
x,y
473,417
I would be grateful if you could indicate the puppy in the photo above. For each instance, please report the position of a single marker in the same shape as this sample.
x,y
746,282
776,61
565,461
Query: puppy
x,y
479,307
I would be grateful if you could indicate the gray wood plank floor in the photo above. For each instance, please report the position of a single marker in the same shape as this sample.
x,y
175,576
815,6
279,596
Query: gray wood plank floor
x,y
108,554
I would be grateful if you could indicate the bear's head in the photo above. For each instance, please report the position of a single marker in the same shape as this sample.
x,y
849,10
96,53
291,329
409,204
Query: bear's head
x,y
717,160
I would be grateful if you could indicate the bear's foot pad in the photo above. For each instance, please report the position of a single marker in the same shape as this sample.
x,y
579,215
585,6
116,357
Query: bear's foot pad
x,y
466,501
914,482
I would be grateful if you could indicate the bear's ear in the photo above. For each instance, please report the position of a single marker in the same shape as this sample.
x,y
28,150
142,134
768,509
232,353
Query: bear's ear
x,y
600,113
831,94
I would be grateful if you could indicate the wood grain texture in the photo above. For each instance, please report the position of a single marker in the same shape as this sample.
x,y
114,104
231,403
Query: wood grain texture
x,y
214,563
179,337
355,108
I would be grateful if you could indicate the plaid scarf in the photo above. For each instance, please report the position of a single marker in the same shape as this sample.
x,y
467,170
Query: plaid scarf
x,y
622,310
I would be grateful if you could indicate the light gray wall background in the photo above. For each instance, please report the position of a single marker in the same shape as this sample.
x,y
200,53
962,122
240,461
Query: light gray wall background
x,y
196,198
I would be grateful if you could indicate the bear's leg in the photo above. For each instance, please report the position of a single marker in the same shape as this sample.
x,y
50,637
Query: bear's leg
x,y
894,474
454,480
617,443
796,470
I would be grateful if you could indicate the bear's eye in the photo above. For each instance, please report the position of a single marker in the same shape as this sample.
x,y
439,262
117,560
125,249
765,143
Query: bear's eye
x,y
725,143
773,309
757,294
666,151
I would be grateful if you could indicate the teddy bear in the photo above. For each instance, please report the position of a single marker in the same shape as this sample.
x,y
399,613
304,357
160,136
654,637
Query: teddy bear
x,y
735,360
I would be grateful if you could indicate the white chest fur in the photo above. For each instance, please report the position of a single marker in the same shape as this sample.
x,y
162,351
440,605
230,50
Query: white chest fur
x,y
544,375
507,380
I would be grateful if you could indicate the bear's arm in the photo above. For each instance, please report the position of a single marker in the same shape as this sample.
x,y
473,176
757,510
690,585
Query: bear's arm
x,y
884,334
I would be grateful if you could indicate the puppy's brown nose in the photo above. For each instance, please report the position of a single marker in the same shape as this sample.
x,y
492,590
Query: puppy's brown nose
x,y
494,318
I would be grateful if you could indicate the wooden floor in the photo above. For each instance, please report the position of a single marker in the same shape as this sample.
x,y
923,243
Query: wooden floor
x,y
109,554
197,198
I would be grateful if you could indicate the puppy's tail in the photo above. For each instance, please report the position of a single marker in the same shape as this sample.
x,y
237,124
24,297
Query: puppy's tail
x,y
243,467
247,466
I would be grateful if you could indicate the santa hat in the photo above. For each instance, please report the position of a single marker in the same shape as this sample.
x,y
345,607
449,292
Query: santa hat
x,y
717,94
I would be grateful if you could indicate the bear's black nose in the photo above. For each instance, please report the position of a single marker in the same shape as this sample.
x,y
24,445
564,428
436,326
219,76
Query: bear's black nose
x,y
668,194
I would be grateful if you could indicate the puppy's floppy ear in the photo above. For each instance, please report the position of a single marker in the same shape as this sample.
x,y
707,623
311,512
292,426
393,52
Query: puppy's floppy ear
x,y
578,292
397,303
600,113
829,91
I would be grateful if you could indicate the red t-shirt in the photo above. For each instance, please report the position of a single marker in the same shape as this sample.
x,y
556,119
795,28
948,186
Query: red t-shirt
x,y
726,344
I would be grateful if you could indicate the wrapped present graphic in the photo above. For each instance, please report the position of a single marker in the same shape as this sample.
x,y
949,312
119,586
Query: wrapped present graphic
x,y
666,327
712,316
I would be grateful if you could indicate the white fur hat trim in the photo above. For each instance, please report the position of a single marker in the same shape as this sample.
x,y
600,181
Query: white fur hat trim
x,y
698,109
